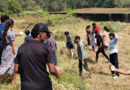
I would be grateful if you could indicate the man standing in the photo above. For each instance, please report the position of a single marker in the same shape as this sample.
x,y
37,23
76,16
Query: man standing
x,y
97,29
113,52
31,61
82,55
51,41
2,26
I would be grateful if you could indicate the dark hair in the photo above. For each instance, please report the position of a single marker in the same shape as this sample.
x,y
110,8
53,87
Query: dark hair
x,y
3,18
88,27
48,34
94,24
27,32
77,37
9,22
66,33
105,28
112,34
99,37
38,28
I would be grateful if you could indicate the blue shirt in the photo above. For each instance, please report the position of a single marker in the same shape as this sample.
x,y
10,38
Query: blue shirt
x,y
2,26
113,48
28,39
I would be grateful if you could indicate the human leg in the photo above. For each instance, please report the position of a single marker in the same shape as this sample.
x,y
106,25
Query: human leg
x,y
111,61
97,53
80,67
13,78
116,63
103,52
86,65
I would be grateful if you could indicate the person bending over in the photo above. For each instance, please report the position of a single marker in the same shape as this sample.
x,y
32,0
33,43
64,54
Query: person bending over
x,y
31,61
82,55
69,43
100,48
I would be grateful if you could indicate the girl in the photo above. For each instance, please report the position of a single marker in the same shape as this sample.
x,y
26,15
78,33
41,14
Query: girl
x,y
106,39
88,30
9,50
69,43
100,47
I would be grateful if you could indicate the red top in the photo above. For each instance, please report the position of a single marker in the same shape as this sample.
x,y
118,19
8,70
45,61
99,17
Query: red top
x,y
97,31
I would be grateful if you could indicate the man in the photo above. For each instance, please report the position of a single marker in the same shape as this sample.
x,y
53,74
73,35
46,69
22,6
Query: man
x,y
27,38
2,26
51,41
31,61
82,55
113,52
97,29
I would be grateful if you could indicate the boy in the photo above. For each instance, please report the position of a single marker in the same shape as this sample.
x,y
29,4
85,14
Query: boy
x,y
27,38
82,55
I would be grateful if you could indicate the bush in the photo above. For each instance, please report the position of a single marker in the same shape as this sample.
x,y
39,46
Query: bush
x,y
71,14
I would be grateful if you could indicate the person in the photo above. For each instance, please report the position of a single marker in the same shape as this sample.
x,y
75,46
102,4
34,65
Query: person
x,y
69,43
82,55
9,50
106,39
93,40
4,18
88,30
51,41
27,38
113,52
121,71
100,48
32,64
97,29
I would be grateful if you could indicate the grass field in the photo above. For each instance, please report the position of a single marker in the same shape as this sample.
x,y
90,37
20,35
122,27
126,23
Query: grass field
x,y
100,79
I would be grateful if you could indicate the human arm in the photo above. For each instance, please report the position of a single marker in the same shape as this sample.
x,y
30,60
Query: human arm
x,y
121,71
16,68
100,46
116,38
54,71
82,48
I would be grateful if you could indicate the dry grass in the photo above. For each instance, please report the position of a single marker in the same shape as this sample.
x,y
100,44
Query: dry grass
x,y
100,79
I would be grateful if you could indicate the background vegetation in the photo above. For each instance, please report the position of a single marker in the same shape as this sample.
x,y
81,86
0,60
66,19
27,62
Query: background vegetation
x,y
16,6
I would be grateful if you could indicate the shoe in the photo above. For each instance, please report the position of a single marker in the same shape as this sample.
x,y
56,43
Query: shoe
x,y
116,77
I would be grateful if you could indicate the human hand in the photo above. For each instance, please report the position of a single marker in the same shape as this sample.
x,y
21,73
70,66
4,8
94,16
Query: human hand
x,y
59,74
82,62
112,67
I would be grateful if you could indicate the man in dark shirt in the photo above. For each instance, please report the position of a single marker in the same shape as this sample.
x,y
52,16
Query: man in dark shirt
x,y
31,61
2,26
27,38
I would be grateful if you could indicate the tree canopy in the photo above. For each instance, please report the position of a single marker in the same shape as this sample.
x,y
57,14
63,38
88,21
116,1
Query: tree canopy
x,y
15,6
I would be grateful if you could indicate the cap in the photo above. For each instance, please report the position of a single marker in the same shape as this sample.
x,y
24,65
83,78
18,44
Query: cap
x,y
40,27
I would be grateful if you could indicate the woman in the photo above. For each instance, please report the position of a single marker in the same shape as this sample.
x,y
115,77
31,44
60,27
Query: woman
x,y
100,47
69,43
106,39
51,41
88,30
9,51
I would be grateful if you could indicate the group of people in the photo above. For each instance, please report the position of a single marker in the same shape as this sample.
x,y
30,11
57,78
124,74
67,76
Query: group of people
x,y
95,39
39,50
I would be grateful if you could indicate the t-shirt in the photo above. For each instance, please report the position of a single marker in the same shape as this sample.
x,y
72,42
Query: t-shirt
x,y
100,41
97,31
2,26
32,58
52,43
28,39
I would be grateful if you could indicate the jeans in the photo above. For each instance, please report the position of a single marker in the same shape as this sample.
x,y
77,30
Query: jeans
x,y
55,58
81,66
101,51
114,61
